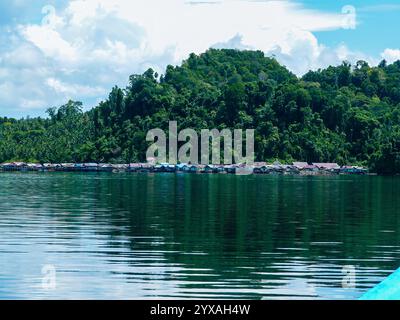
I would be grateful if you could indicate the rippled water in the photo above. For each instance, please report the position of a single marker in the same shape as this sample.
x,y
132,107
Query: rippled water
x,y
112,236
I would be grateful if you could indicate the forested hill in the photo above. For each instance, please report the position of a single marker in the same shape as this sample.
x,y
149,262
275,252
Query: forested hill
x,y
345,114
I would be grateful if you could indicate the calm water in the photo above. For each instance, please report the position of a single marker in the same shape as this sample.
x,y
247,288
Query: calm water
x,y
112,236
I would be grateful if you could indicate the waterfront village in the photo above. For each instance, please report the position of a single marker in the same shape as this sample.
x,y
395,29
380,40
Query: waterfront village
x,y
276,168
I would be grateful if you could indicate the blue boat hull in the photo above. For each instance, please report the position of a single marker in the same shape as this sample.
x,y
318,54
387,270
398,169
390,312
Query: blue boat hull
x,y
389,289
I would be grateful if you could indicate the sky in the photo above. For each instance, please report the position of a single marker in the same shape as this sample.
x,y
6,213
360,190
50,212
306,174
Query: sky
x,y
55,50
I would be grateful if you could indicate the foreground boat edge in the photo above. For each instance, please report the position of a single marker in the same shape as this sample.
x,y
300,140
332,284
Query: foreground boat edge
x,y
388,289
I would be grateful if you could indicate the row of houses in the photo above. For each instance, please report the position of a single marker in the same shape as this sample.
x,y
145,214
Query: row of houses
x,y
304,168
328,168
301,168
65,167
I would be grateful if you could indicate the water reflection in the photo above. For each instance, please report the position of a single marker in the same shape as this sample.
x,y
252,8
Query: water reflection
x,y
195,236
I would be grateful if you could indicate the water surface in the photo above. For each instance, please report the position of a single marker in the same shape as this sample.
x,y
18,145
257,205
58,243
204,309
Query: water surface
x,y
164,236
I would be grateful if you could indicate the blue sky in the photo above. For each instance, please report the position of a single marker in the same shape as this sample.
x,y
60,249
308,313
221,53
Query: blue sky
x,y
378,23
52,51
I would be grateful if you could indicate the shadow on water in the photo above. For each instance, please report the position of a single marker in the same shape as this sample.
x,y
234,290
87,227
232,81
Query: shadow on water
x,y
196,236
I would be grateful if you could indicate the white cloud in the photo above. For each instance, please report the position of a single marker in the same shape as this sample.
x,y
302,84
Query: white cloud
x,y
50,42
71,90
94,29
194,28
92,45
305,53
391,55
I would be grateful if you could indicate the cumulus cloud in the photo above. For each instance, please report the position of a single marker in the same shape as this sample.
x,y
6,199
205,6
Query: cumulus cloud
x,y
305,53
84,49
391,55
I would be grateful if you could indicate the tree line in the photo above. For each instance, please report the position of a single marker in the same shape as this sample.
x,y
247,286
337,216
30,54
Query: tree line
x,y
345,114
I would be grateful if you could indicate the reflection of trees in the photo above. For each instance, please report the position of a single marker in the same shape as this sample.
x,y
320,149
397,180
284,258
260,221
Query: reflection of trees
x,y
238,227
241,221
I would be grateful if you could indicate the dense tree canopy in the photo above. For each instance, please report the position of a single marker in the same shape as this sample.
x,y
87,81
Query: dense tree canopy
x,y
345,114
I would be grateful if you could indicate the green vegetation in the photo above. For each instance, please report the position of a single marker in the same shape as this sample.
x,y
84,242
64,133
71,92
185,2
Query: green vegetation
x,y
344,114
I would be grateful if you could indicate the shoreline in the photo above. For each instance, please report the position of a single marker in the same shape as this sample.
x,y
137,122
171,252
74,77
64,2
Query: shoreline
x,y
300,169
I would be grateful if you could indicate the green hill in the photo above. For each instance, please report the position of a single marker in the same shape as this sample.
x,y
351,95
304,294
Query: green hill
x,y
345,114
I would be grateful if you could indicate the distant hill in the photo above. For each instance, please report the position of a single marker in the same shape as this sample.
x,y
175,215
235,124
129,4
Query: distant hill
x,y
345,114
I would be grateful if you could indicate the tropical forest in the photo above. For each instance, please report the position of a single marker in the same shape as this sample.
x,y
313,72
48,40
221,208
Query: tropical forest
x,y
348,114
